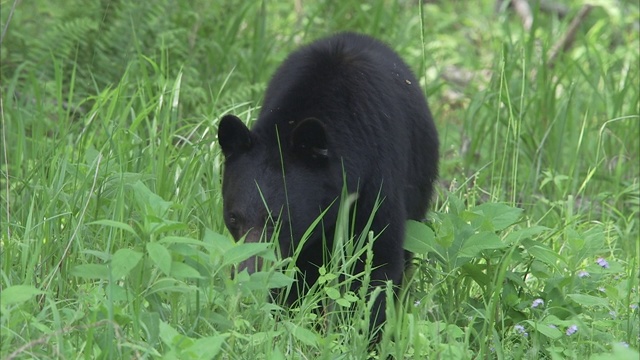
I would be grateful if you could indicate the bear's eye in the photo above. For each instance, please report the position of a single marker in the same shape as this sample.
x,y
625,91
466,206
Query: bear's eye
x,y
232,220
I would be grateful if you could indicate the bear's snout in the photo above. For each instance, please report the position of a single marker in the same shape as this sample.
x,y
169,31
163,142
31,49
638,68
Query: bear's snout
x,y
253,263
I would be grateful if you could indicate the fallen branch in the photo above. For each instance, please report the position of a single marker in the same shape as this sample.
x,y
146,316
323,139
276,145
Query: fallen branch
x,y
569,38
554,8
522,8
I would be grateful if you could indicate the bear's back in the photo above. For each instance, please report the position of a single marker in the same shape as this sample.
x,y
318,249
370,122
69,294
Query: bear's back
x,y
347,80
374,111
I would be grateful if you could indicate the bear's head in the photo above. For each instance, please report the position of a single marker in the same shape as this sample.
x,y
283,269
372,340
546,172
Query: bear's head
x,y
278,182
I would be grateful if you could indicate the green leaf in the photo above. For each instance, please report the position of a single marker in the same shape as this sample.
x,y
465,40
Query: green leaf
x,y
332,293
115,224
584,245
184,250
305,336
160,256
455,332
322,270
276,354
588,300
168,285
172,338
123,261
181,270
146,199
91,271
500,216
419,238
546,329
208,347
544,254
525,233
181,240
104,256
455,204
272,280
17,294
242,252
151,321
350,296
218,242
479,242
620,352
477,273
164,225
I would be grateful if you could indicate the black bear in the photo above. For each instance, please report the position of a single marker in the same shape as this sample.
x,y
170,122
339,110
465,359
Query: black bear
x,y
343,110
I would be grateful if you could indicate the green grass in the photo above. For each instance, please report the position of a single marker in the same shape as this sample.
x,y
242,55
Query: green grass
x,y
112,238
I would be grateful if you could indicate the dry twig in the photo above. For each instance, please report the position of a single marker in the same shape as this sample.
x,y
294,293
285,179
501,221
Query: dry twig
x,y
522,8
568,39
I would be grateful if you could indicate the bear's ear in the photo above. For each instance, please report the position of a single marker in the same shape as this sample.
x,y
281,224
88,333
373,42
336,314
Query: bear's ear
x,y
233,135
309,140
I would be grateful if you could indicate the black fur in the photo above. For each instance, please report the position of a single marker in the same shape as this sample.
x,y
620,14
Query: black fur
x,y
346,102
